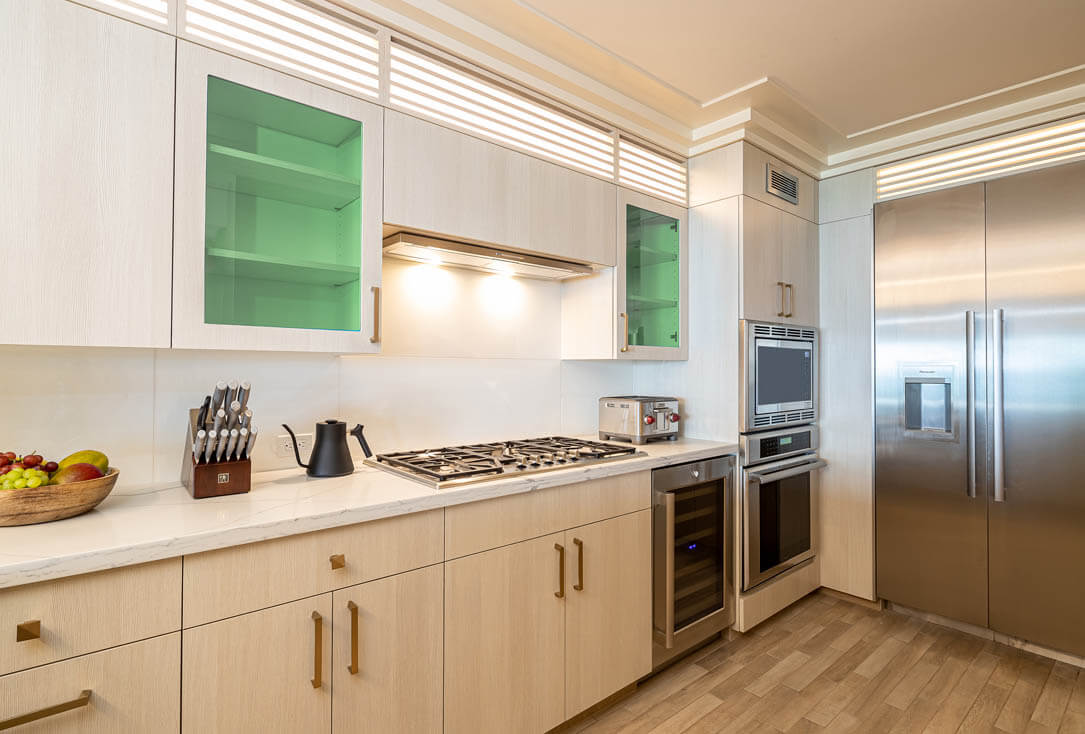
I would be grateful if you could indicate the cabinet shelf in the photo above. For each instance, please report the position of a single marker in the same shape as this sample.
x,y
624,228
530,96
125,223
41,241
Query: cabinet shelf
x,y
273,178
236,263
650,256
644,303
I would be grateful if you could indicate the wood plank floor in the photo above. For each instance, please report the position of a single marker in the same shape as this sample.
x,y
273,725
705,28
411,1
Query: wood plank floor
x,y
830,665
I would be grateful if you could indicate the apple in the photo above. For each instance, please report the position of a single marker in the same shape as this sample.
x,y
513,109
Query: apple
x,y
77,473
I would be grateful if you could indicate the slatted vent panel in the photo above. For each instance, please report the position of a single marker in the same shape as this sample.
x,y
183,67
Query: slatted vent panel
x,y
325,47
423,84
782,184
152,11
786,332
644,169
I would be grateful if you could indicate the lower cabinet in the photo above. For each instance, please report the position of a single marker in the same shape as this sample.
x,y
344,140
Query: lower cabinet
x,y
538,631
265,671
386,654
130,688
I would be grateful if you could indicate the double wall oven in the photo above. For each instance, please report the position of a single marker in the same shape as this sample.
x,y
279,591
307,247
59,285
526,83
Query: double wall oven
x,y
779,442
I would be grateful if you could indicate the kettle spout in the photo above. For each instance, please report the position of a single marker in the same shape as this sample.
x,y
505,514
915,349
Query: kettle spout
x,y
294,439
357,432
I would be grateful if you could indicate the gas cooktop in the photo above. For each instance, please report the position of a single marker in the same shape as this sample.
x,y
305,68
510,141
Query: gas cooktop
x,y
459,465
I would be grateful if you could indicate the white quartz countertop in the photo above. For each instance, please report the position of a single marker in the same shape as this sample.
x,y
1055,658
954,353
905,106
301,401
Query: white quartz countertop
x,y
136,528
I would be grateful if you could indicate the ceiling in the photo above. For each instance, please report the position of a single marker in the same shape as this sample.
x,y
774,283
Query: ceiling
x,y
834,83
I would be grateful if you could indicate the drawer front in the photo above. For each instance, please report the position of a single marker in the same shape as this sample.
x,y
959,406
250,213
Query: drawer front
x,y
231,581
133,688
81,614
488,524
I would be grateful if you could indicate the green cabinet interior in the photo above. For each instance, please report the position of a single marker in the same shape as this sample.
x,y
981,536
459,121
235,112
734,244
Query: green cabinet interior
x,y
283,212
652,277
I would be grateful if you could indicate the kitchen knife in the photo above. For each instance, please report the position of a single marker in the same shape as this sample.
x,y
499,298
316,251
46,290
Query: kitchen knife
x,y
242,441
231,444
199,446
233,415
201,417
243,394
220,450
212,442
220,419
219,396
245,419
252,441
231,393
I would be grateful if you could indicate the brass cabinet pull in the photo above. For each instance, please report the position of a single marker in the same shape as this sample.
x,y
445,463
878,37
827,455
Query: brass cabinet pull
x,y
790,299
82,700
780,284
29,630
318,649
353,667
579,586
560,593
625,331
338,561
375,339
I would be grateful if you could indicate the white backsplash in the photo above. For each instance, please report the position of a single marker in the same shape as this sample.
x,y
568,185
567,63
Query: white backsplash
x,y
467,357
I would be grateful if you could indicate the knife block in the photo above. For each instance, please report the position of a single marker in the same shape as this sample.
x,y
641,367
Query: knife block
x,y
216,479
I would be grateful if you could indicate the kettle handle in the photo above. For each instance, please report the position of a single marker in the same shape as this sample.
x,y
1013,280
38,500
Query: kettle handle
x,y
357,432
294,440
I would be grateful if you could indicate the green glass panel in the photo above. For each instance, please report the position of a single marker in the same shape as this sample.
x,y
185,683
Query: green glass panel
x,y
652,286
283,212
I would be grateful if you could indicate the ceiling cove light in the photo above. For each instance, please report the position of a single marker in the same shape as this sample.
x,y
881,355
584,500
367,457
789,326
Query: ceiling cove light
x,y
1011,154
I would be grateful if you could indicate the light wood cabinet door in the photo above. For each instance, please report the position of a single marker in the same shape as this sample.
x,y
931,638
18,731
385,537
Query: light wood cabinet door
x,y
572,214
608,620
761,259
387,664
132,689
86,193
799,269
255,673
505,639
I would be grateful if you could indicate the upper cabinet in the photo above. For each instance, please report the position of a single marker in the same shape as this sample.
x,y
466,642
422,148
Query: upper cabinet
x,y
448,183
779,264
741,168
278,210
86,180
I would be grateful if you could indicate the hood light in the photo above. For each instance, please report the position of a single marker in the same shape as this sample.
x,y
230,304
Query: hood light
x,y
427,249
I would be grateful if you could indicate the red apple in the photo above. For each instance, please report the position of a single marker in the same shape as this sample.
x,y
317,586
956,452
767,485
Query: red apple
x,y
77,473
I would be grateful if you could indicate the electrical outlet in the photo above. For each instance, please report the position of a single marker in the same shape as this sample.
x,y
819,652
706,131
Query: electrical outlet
x,y
284,447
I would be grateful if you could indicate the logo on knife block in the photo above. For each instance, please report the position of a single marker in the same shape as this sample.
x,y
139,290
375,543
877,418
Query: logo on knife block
x,y
224,478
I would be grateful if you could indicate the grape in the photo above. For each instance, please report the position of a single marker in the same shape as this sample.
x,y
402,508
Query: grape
x,y
7,484
15,473
19,483
33,482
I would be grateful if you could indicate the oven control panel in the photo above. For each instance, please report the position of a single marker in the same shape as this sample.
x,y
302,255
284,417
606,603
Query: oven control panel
x,y
778,444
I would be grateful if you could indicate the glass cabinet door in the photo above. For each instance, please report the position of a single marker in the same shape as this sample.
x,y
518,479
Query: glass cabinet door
x,y
653,276
283,212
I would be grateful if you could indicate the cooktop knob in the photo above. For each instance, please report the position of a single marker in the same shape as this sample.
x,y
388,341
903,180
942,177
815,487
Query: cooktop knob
x,y
649,420
674,417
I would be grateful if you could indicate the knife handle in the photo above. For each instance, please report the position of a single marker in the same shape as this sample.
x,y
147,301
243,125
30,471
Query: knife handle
x,y
219,395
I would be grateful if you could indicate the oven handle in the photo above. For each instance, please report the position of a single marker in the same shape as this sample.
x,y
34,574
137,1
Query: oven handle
x,y
794,471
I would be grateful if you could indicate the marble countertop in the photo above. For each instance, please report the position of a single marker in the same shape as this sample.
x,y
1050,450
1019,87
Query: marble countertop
x,y
148,526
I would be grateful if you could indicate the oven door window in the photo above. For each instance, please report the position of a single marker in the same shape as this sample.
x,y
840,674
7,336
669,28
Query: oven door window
x,y
698,553
784,375
784,521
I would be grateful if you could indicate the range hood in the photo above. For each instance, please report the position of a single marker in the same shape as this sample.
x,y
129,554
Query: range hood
x,y
425,248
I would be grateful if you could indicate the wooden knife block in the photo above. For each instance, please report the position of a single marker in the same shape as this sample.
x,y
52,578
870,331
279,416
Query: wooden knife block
x,y
216,479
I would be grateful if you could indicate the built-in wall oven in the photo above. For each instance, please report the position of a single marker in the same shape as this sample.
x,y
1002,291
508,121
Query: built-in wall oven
x,y
779,375
693,582
778,480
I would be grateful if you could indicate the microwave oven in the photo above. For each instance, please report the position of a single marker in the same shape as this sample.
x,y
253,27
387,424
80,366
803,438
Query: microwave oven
x,y
779,375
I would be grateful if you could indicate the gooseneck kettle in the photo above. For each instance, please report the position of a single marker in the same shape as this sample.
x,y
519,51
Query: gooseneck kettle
x,y
331,455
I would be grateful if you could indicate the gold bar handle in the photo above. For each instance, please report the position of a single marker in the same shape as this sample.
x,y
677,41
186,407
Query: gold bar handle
x,y
353,667
82,700
790,299
337,561
560,593
625,331
29,630
375,339
579,586
780,284
318,649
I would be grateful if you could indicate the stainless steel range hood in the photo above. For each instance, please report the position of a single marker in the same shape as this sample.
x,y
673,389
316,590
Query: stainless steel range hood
x,y
426,248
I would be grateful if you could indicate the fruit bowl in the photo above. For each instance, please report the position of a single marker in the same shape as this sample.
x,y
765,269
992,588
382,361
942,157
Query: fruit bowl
x,y
54,501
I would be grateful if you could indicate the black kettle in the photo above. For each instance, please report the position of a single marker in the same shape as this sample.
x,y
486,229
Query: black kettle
x,y
331,455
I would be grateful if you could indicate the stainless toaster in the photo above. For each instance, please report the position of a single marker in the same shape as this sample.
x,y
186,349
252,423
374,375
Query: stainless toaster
x,y
638,418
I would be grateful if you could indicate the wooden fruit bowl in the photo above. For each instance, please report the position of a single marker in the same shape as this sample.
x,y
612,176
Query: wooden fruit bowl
x,y
54,501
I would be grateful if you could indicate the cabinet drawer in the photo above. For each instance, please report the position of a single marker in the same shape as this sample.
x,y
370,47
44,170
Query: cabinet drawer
x,y
487,524
85,613
231,581
133,688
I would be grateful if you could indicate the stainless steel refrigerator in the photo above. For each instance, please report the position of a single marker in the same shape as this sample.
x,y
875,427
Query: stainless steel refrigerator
x,y
979,296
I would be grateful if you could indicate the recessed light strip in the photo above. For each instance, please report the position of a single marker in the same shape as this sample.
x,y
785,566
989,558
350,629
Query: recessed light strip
x,y
644,169
152,10
1080,155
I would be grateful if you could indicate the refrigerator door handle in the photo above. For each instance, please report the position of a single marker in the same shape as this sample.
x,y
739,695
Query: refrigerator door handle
x,y
999,412
970,400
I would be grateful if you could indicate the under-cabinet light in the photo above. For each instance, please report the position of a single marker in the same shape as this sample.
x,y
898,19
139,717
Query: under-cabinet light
x,y
1011,154
423,248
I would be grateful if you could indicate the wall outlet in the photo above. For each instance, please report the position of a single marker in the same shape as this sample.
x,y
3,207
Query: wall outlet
x,y
284,447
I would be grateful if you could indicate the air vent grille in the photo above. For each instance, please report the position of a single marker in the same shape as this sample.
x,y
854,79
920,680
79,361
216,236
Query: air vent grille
x,y
286,34
777,419
787,332
782,184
